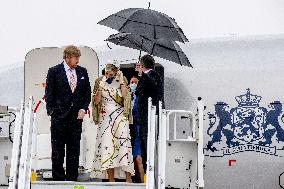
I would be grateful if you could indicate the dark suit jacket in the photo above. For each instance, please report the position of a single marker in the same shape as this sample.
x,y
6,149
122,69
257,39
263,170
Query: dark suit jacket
x,y
58,95
149,85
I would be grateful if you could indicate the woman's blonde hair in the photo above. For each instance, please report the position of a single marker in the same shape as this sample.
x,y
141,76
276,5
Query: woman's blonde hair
x,y
111,67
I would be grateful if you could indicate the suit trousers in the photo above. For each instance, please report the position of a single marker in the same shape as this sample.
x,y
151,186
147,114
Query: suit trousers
x,y
66,131
142,114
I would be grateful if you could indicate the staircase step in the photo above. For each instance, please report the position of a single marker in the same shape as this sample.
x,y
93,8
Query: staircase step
x,y
85,185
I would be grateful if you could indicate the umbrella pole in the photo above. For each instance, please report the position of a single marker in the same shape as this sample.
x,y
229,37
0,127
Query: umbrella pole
x,y
140,52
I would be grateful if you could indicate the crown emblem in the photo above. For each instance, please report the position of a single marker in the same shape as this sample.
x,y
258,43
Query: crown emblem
x,y
248,100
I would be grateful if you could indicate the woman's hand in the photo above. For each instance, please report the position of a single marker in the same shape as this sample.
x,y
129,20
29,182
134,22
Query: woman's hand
x,y
122,84
120,77
123,90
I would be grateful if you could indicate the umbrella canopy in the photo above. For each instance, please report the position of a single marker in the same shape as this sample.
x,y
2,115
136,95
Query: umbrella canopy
x,y
145,22
161,47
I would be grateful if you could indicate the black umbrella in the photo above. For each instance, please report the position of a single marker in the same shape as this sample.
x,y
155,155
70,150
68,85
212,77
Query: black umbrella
x,y
161,47
145,22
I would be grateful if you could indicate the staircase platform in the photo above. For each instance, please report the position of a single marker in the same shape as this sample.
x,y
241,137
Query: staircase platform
x,y
85,185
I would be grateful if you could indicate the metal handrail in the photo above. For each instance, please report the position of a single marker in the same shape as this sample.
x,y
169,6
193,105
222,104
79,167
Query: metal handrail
x,y
16,150
191,117
200,154
162,148
164,119
26,149
151,143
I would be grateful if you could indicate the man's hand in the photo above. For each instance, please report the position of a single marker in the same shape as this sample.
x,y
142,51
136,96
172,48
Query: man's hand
x,y
81,114
138,68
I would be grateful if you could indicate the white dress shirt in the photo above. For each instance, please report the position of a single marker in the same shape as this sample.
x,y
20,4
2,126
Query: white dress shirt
x,y
69,71
147,71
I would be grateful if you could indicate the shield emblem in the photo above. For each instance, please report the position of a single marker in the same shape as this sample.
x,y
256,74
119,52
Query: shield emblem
x,y
248,123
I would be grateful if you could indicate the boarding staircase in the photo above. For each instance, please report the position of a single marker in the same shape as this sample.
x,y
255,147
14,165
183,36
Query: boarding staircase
x,y
172,162
7,123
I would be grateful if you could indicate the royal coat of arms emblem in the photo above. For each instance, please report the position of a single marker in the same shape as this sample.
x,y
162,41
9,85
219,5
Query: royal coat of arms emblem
x,y
246,127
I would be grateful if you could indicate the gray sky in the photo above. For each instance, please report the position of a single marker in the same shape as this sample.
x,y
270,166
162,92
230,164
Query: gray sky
x,y
28,24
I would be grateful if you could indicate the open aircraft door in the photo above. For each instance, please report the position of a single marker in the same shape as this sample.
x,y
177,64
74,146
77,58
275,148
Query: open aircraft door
x,y
37,63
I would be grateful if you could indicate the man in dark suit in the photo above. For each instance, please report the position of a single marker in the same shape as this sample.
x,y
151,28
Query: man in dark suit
x,y
68,95
149,85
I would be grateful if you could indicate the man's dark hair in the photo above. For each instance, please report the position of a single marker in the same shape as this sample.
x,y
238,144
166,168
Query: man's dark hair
x,y
135,76
148,61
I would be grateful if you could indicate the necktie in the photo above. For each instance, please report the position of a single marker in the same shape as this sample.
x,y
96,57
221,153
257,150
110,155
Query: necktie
x,y
72,82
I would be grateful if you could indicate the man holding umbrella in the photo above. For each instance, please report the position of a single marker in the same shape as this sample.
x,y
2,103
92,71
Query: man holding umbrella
x,y
149,86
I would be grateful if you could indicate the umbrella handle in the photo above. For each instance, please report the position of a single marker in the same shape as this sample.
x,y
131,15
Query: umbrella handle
x,y
149,5
109,46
